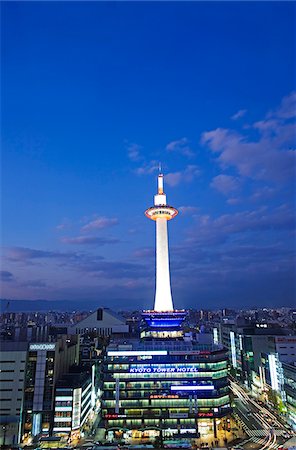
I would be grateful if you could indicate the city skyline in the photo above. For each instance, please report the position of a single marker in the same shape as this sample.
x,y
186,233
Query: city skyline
x,y
94,96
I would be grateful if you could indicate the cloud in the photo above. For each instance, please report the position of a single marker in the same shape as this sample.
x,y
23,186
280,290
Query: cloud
x,y
187,175
100,223
188,210
239,114
148,168
145,253
6,276
89,240
225,183
34,284
287,108
27,256
180,146
233,201
133,151
116,269
265,192
219,230
63,225
269,157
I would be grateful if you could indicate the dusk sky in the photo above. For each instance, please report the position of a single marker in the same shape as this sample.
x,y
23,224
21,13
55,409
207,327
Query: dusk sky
x,y
94,95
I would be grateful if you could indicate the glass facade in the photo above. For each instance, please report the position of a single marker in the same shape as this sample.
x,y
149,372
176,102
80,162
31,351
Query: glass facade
x,y
171,391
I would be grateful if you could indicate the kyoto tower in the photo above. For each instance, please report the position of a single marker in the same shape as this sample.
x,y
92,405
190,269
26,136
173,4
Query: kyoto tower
x,y
161,213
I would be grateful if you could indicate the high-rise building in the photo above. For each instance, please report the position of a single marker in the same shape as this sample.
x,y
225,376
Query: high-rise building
x,y
166,382
46,362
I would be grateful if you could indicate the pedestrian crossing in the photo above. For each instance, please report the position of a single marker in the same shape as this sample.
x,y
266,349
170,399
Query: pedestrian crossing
x,y
263,432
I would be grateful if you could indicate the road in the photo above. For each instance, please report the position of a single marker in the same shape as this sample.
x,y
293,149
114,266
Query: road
x,y
264,429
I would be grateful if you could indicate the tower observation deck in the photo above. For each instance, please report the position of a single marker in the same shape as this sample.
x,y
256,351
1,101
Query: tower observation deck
x,y
161,212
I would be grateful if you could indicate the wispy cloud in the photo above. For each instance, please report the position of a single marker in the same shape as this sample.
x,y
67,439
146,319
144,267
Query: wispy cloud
x,y
6,276
63,225
133,152
188,210
180,146
271,157
28,256
187,175
36,284
287,108
225,183
148,168
89,240
239,114
233,201
99,223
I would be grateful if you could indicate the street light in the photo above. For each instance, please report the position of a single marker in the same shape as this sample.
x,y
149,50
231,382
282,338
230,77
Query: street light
x,y
4,434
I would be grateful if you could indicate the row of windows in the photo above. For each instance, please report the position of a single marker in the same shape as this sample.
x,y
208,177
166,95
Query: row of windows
x,y
165,403
214,365
213,375
62,424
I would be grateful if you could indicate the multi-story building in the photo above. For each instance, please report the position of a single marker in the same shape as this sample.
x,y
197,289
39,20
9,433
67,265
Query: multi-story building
x,y
178,386
13,357
246,344
46,362
75,398
103,322
290,391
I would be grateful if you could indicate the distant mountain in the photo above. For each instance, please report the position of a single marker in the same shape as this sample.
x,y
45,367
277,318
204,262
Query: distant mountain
x,y
66,305
47,305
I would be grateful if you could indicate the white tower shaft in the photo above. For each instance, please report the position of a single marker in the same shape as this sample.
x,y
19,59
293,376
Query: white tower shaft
x,y
163,295
161,213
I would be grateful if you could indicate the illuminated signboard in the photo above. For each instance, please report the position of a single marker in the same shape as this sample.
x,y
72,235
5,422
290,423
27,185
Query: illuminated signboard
x,y
164,368
233,349
178,415
208,414
137,353
115,416
215,336
192,388
273,371
34,347
76,408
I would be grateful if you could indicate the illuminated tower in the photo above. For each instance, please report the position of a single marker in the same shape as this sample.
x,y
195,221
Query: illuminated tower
x,y
161,213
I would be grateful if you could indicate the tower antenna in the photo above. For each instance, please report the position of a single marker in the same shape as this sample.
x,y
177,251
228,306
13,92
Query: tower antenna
x,y
159,167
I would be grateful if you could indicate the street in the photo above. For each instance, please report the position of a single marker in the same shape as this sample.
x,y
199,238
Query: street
x,y
264,429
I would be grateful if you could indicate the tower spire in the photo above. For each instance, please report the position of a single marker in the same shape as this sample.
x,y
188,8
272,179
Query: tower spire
x,y
161,213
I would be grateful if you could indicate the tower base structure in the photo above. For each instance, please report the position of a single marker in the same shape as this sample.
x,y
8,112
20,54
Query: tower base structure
x,y
168,383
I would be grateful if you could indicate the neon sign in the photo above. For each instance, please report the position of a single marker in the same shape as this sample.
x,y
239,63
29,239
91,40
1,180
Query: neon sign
x,y
155,368
201,414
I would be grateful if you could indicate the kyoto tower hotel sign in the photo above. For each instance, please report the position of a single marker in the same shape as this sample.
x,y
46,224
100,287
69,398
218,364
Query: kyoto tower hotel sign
x,y
161,213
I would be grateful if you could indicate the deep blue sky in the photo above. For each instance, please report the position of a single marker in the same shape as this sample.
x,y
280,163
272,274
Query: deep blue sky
x,y
94,95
